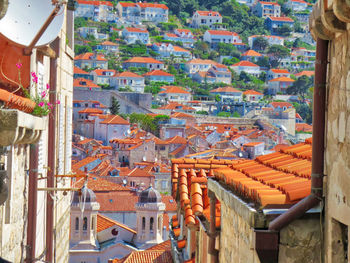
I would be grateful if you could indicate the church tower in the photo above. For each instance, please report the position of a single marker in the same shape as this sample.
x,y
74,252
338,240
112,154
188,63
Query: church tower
x,y
83,220
149,213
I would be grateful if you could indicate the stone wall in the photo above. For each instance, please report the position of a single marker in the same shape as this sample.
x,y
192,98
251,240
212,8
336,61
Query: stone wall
x,y
337,158
13,233
126,106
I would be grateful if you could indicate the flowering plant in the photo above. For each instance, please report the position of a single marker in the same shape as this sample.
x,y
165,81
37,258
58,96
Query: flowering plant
x,y
43,107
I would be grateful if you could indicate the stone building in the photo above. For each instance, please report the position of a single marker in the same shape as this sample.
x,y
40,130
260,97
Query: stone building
x,y
34,219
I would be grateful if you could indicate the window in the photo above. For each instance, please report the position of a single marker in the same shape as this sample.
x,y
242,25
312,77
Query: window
x,y
85,223
164,184
92,223
76,223
143,223
151,221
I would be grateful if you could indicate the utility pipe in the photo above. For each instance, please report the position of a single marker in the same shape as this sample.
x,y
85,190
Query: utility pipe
x,y
32,202
318,131
212,229
51,156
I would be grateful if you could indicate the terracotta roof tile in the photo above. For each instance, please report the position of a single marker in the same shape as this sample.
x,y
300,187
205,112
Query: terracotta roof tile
x,y
245,63
143,60
103,223
173,89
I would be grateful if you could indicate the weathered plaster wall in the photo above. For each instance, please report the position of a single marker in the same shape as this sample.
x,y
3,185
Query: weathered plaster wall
x,y
337,164
13,219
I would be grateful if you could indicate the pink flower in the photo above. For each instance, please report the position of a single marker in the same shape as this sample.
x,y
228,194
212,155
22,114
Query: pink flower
x,y
33,74
47,86
49,104
58,102
41,104
90,88
43,94
18,65
35,78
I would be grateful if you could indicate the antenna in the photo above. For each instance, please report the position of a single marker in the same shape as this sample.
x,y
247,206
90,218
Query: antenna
x,y
32,23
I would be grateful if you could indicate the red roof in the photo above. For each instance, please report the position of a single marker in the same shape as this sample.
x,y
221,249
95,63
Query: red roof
x,y
137,30
244,63
80,71
252,92
100,72
280,104
252,144
251,53
127,4
283,19
303,127
176,106
208,13
157,72
226,89
173,89
181,30
115,120
84,2
222,33
305,73
89,56
91,111
103,223
268,3
151,5
282,79
128,74
281,71
143,60
85,83
108,43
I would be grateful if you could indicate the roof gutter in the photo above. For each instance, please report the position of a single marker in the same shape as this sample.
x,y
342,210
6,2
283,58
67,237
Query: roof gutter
x,y
316,196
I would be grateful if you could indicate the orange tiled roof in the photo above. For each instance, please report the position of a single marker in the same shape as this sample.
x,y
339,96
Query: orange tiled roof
x,y
226,89
154,256
157,72
303,127
137,30
89,56
143,60
208,13
282,71
166,245
128,74
279,178
96,3
91,110
281,104
176,140
115,120
181,115
152,5
98,184
80,71
251,53
222,33
283,79
245,63
100,72
252,92
173,89
305,73
108,43
284,19
85,83
176,106
104,223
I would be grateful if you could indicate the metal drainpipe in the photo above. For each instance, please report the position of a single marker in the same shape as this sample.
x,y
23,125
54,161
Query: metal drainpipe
x,y
51,157
32,202
318,132
212,229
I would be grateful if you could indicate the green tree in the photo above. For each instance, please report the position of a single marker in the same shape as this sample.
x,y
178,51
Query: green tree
x,y
300,87
277,53
79,22
284,30
79,49
115,106
260,43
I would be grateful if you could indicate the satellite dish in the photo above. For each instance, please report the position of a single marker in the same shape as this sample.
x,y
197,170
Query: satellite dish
x,y
144,158
283,128
125,182
24,19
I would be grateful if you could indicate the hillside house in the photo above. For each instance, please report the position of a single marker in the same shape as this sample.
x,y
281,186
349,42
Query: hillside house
x,y
272,40
254,149
273,23
159,76
228,93
143,62
214,37
132,34
279,85
108,47
138,12
79,105
91,31
103,76
253,95
79,73
277,73
206,18
176,107
167,50
266,9
198,64
90,60
182,35
251,55
247,67
110,127
218,73
174,94
297,5
85,84
129,79
99,11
